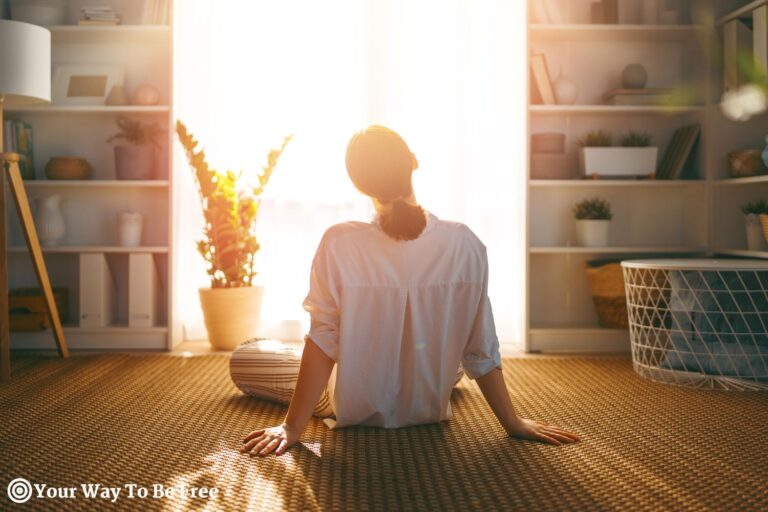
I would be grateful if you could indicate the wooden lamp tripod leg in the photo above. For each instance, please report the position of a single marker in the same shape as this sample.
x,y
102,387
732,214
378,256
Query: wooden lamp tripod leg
x,y
11,171
5,339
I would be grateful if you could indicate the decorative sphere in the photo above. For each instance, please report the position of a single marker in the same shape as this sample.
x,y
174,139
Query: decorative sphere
x,y
634,76
566,91
145,95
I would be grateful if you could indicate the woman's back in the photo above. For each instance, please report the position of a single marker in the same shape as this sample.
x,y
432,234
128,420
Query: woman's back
x,y
399,317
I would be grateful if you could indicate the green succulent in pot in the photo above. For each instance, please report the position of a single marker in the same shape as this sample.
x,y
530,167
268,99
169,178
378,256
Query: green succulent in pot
x,y
592,209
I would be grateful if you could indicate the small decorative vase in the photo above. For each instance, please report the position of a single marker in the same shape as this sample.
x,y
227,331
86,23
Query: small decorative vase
x,y
566,90
634,76
592,232
50,220
145,95
650,12
117,96
130,228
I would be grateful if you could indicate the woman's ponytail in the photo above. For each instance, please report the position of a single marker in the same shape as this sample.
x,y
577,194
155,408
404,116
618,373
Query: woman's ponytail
x,y
404,221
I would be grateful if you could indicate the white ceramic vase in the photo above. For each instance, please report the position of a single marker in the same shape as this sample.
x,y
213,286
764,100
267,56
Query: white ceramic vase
x,y
566,89
130,228
231,314
592,233
755,235
51,225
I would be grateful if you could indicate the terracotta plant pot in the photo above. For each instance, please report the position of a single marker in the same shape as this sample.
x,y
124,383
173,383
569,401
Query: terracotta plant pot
x,y
231,314
134,162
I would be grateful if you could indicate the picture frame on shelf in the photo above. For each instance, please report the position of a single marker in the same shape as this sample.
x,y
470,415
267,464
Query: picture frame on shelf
x,y
84,85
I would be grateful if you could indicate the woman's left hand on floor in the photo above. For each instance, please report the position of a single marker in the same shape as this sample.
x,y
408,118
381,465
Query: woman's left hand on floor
x,y
264,441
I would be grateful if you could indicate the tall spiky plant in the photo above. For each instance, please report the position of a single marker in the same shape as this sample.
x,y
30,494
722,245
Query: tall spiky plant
x,y
230,246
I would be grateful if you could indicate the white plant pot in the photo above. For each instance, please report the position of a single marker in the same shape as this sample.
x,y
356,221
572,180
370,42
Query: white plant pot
x,y
231,314
755,235
592,233
618,162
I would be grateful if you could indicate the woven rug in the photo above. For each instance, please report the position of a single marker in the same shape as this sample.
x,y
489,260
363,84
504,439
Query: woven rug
x,y
173,421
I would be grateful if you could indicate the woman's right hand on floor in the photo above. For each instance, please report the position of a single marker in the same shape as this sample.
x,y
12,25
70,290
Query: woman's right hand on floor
x,y
264,441
532,430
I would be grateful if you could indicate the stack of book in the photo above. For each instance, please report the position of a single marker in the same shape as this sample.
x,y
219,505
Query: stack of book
x,y
99,15
17,138
642,96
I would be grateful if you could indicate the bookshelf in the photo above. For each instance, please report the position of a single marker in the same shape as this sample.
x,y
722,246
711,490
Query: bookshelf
x,y
698,215
91,206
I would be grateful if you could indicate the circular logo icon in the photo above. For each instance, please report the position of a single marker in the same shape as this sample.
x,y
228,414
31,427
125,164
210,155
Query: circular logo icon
x,y
19,490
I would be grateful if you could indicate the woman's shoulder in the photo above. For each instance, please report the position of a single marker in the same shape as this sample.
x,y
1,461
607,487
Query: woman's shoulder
x,y
346,229
457,231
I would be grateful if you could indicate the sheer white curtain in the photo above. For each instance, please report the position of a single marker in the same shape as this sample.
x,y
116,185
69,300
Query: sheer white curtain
x,y
449,75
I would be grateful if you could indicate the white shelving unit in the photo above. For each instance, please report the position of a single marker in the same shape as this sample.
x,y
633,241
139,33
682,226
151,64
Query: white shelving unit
x,y
698,215
91,206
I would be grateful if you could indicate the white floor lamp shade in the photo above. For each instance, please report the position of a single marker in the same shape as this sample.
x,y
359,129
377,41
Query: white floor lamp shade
x,y
25,63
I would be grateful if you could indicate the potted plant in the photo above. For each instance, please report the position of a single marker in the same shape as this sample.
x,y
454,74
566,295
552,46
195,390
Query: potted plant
x,y
593,222
756,240
231,306
135,160
634,157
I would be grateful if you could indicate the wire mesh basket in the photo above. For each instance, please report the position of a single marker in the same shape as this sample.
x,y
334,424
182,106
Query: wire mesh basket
x,y
699,322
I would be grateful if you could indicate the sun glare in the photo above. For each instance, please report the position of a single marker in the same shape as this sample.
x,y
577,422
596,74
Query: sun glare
x,y
448,75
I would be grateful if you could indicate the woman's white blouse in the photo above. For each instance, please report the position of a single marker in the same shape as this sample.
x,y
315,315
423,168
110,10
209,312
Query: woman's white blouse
x,y
398,318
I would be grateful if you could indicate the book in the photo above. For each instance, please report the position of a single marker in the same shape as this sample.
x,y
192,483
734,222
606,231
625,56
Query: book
x,y
540,74
760,41
24,150
737,47
9,145
535,95
17,138
142,290
85,23
637,96
677,153
97,291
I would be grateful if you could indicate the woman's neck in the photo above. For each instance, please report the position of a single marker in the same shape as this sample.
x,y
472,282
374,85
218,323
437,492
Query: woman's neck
x,y
383,207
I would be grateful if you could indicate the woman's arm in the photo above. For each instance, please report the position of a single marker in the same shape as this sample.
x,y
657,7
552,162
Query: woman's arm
x,y
496,394
314,372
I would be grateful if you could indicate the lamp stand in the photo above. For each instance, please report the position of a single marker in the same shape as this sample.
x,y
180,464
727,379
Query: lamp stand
x,y
9,164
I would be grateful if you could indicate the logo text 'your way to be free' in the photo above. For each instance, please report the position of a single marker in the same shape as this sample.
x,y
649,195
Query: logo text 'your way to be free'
x,y
21,490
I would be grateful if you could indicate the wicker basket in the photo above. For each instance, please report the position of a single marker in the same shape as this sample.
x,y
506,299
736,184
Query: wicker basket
x,y
764,222
65,168
746,162
606,281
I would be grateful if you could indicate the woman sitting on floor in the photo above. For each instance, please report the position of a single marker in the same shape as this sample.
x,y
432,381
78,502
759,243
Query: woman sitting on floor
x,y
396,306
